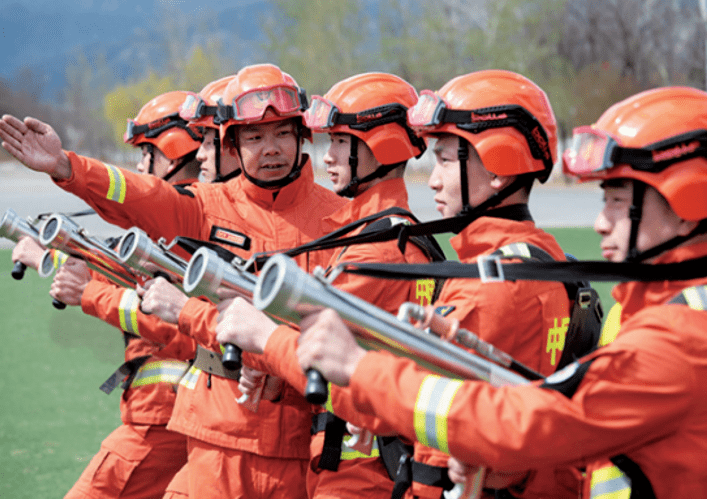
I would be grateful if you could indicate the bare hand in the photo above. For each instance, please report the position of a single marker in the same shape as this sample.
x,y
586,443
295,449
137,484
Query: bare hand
x,y
462,473
36,145
29,252
252,380
162,298
327,345
244,325
70,282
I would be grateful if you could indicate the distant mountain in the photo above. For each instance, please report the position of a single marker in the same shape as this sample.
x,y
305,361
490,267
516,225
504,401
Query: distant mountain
x,y
46,36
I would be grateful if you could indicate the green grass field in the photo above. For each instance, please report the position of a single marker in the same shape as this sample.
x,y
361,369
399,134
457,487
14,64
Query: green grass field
x,y
53,416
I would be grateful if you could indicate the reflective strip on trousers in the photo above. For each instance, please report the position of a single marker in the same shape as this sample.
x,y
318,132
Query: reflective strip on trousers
x,y
346,451
434,400
610,483
160,371
516,249
116,184
127,311
190,378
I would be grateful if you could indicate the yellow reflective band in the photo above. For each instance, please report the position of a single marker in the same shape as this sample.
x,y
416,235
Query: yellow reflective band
x,y
610,483
127,311
696,297
434,400
190,378
328,405
347,453
59,258
611,327
160,371
516,249
116,185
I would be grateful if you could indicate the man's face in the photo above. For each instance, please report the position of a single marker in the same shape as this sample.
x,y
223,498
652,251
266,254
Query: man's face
x,y
162,165
445,178
337,161
658,222
268,150
206,155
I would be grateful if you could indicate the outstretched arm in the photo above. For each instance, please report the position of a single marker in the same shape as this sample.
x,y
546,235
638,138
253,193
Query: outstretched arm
x,y
36,145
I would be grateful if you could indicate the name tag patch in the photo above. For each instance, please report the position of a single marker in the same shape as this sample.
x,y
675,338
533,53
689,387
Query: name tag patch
x,y
230,237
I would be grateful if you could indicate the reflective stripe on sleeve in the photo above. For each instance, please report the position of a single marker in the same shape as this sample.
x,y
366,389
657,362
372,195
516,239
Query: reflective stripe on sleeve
x,y
160,371
190,378
434,400
610,483
127,310
116,186
59,258
696,297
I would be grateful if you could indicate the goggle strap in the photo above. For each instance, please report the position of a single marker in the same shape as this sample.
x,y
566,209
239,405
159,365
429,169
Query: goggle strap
x,y
389,113
642,158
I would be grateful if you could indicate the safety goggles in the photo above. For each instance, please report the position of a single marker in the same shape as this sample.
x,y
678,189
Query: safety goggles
x,y
286,100
195,108
152,129
594,150
431,111
323,114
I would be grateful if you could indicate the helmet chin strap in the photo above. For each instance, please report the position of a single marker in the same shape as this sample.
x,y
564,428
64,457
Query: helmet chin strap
x,y
635,214
151,168
351,189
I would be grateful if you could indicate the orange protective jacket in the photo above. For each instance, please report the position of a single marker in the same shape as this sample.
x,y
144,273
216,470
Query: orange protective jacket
x,y
643,395
148,400
361,475
243,218
520,318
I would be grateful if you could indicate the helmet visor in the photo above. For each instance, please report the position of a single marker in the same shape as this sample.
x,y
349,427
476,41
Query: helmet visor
x,y
426,114
195,108
591,151
251,105
320,114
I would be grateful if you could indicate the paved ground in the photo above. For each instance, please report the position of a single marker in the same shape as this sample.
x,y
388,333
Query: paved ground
x,y
30,194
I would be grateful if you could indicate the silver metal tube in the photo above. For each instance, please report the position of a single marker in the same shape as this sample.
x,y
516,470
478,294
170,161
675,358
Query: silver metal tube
x,y
285,291
137,251
206,272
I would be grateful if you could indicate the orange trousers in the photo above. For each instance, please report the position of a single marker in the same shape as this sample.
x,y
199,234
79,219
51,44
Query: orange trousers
x,y
214,472
134,462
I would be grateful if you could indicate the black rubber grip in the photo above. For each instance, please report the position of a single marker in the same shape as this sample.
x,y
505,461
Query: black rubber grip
x,y
18,271
59,305
231,358
316,391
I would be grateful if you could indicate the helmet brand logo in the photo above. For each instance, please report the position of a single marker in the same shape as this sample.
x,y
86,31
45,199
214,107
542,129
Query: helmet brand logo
x,y
157,123
487,117
363,118
675,152
541,142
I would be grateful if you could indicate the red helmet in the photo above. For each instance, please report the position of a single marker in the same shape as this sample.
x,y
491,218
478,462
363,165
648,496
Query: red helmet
x,y
158,123
256,88
505,116
372,107
658,137
201,110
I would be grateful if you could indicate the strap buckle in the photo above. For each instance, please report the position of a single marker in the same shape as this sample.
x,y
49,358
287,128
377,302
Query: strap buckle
x,y
490,268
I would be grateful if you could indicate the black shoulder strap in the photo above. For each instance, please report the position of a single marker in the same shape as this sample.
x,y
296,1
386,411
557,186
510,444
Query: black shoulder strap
x,y
336,239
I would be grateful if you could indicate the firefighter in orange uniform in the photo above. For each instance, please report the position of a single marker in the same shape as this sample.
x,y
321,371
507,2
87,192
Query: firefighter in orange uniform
x,y
275,204
636,401
140,457
201,110
370,144
499,154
